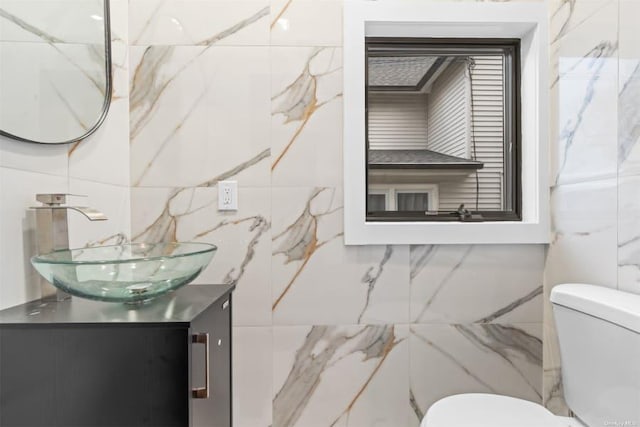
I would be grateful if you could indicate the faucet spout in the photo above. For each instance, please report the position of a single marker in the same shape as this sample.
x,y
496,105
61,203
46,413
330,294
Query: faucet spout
x,y
90,213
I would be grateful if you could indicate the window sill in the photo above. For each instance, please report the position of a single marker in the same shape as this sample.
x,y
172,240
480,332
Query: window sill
x,y
414,233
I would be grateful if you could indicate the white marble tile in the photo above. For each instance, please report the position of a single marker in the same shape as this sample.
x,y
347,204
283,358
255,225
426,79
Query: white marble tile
x,y
41,158
584,85
306,23
17,232
60,21
252,376
199,22
476,284
317,279
242,237
629,234
119,25
552,389
584,250
584,226
113,201
554,392
629,90
104,155
566,18
355,376
629,149
199,113
491,358
306,116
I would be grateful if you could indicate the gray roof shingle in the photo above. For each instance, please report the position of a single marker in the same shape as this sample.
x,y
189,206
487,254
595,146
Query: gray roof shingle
x,y
418,159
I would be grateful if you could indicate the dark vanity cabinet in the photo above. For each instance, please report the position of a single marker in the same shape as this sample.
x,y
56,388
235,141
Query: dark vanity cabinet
x,y
86,363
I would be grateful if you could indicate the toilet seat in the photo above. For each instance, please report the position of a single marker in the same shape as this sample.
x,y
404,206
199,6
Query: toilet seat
x,y
488,410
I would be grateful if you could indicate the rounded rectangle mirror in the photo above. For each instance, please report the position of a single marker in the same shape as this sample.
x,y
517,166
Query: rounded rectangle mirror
x,y
55,69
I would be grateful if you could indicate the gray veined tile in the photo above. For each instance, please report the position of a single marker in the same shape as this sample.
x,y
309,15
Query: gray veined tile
x,y
629,120
476,284
148,81
119,15
243,238
104,155
489,358
629,150
346,286
629,90
199,22
584,217
554,393
306,23
252,376
31,21
38,158
185,114
569,16
21,30
552,390
317,279
354,376
306,116
307,220
628,253
585,68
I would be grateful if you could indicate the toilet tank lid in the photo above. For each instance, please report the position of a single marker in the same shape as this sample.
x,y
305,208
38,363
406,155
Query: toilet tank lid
x,y
621,308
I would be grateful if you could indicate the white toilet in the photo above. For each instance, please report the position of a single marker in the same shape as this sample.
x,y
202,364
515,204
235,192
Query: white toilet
x,y
599,334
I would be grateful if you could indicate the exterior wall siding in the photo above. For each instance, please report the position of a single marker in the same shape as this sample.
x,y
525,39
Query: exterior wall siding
x,y
397,121
486,113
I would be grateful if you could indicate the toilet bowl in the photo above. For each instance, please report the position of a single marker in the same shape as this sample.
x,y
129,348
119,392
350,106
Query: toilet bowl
x,y
491,410
599,336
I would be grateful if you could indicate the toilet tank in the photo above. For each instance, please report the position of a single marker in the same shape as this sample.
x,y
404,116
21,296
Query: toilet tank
x,y
599,334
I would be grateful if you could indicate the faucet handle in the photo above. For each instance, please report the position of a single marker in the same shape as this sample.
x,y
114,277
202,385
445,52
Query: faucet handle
x,y
55,199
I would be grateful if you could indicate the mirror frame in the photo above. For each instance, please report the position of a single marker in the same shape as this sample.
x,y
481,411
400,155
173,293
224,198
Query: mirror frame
x,y
108,88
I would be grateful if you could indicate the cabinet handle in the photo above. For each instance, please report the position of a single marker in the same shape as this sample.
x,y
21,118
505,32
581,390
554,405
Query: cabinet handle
x,y
202,392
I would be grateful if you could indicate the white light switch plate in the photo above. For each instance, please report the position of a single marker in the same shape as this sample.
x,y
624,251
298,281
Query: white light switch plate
x,y
228,195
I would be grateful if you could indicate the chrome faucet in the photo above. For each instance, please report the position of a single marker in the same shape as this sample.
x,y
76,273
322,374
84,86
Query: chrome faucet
x,y
52,230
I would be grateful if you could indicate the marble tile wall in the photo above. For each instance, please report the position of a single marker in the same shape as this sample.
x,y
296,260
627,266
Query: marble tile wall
x,y
324,334
597,128
584,49
97,167
629,148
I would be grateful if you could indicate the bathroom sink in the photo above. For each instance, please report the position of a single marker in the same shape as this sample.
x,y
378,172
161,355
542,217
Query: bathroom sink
x,y
129,273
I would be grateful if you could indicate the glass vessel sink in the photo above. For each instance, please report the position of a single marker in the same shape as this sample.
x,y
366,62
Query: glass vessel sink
x,y
129,273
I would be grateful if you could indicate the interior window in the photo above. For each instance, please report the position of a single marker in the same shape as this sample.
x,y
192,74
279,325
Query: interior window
x,y
443,112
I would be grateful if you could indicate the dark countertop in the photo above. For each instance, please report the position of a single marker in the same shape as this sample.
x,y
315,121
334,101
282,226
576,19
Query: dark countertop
x,y
178,307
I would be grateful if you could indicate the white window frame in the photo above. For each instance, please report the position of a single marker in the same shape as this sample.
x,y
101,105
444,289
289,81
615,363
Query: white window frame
x,y
405,18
